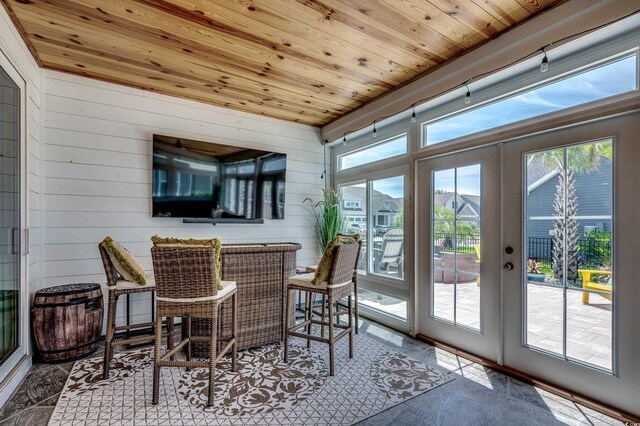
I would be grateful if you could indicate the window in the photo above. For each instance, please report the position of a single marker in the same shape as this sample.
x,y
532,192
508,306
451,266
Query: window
x,y
610,79
386,149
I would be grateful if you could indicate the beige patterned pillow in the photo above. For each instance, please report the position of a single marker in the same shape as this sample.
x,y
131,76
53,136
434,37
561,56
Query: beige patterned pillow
x,y
125,263
323,270
217,247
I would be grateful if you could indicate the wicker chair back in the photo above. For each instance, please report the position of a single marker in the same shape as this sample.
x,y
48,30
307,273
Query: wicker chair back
x,y
345,261
109,269
184,272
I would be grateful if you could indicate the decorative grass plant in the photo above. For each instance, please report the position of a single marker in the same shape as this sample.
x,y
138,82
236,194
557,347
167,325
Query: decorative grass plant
x,y
329,220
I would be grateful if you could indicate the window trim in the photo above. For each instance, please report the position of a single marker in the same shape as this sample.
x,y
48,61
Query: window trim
x,y
564,63
367,144
633,53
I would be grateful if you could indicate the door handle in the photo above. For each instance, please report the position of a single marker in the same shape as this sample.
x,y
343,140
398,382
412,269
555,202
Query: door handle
x,y
508,266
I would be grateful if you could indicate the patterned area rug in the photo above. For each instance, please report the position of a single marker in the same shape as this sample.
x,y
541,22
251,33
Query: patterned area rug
x,y
264,391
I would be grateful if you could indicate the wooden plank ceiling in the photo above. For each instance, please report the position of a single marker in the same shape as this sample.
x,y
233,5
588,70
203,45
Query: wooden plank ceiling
x,y
307,61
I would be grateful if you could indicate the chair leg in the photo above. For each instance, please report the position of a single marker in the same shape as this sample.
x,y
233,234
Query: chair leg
x,y
156,359
234,329
350,327
330,313
171,339
324,314
111,325
287,326
212,357
355,293
187,326
309,314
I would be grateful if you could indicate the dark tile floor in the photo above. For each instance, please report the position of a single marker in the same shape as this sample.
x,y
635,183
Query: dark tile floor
x,y
478,396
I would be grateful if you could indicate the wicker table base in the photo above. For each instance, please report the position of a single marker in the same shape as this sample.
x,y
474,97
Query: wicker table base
x,y
261,272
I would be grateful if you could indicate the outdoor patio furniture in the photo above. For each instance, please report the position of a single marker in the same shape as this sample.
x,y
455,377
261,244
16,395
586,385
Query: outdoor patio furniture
x,y
261,271
187,287
391,252
339,285
117,286
341,305
589,285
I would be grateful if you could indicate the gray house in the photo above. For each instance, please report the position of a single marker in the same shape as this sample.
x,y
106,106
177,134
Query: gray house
x,y
593,190
354,207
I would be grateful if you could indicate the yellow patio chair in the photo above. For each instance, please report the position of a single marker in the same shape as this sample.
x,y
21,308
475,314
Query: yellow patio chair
x,y
587,284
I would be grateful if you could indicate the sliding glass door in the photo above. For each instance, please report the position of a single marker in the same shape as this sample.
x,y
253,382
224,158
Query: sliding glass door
x,y
9,217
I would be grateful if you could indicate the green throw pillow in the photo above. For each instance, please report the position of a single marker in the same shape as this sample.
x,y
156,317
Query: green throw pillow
x,y
125,263
215,243
326,262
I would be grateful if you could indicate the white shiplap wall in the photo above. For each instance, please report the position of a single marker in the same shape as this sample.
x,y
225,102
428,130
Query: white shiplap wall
x,y
97,173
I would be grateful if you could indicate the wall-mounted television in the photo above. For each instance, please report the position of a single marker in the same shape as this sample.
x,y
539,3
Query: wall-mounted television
x,y
211,182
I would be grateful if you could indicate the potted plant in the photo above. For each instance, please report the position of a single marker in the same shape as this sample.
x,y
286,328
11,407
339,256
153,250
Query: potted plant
x,y
329,220
533,272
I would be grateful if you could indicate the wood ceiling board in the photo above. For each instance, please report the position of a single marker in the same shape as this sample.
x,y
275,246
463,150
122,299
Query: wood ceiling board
x,y
509,12
296,38
308,61
426,14
122,47
177,87
378,36
232,57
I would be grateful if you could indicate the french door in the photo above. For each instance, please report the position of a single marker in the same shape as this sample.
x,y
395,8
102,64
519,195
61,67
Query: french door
x,y
458,211
570,300
529,256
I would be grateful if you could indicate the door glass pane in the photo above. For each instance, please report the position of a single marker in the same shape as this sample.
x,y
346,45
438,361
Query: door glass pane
x,y
456,222
10,214
354,210
569,252
387,231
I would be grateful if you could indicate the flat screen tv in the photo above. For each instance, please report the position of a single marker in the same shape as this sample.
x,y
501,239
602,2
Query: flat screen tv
x,y
215,182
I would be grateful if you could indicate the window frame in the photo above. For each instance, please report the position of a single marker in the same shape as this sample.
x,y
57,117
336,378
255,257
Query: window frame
x,y
512,82
392,286
527,90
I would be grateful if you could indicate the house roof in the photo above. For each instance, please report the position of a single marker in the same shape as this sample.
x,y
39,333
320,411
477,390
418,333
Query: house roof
x,y
301,61
381,202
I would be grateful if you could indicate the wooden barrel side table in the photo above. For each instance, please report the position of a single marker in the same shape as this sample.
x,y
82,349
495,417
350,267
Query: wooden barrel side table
x,y
67,321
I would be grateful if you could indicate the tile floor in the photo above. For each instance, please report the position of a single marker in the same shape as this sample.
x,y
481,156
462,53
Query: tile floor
x,y
478,395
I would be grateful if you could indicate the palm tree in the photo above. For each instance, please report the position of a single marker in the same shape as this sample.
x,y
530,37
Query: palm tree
x,y
569,161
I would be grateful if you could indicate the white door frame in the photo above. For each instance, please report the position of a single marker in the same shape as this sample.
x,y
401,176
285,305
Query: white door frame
x,y
621,388
17,365
488,341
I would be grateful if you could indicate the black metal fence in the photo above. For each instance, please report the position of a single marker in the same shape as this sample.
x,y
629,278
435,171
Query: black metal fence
x,y
591,252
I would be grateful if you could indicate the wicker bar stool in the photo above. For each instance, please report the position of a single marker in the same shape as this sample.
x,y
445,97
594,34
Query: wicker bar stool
x,y
187,286
339,285
117,286
341,307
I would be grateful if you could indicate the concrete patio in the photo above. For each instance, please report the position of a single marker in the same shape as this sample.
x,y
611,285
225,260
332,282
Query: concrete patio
x,y
588,325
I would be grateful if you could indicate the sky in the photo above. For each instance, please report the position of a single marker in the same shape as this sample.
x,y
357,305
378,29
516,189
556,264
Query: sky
x,y
381,151
611,79
468,180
